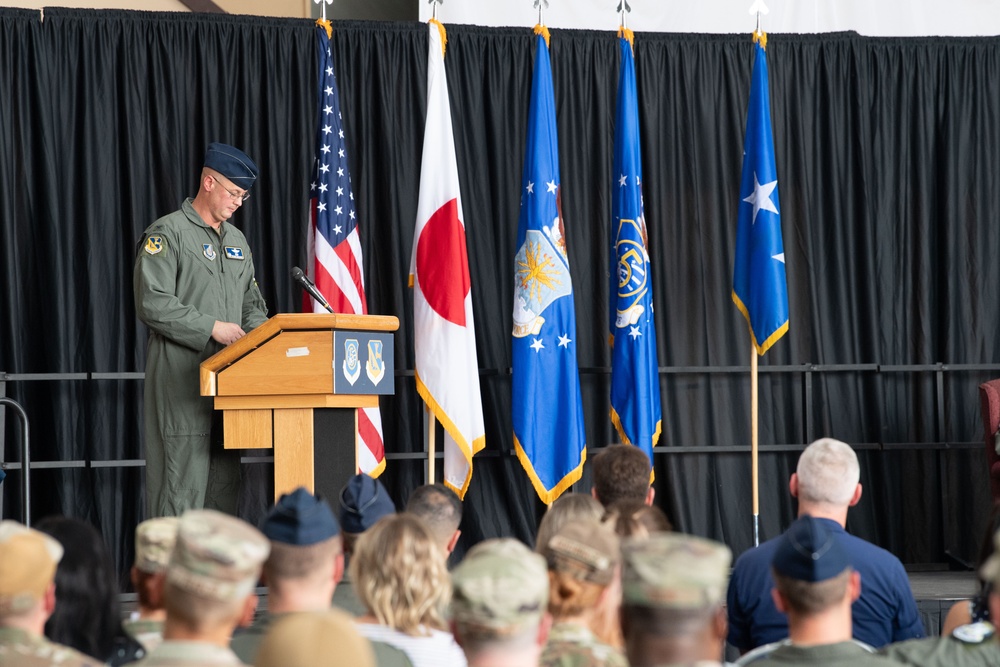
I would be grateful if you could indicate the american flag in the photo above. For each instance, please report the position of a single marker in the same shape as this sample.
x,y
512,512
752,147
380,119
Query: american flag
x,y
337,266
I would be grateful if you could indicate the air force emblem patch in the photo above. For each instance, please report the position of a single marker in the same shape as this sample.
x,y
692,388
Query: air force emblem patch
x,y
209,251
375,368
352,366
542,276
154,244
233,252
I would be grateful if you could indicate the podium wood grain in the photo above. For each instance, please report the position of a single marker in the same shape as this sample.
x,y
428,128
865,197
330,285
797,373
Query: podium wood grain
x,y
293,435
247,429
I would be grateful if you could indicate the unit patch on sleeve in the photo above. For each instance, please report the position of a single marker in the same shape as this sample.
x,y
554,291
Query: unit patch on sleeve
x,y
233,252
154,244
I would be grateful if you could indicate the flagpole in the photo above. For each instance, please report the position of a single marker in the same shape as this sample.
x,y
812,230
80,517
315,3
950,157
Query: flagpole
x,y
431,447
753,442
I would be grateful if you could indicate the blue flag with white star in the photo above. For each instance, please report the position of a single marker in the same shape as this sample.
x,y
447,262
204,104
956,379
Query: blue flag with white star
x,y
635,380
759,287
547,413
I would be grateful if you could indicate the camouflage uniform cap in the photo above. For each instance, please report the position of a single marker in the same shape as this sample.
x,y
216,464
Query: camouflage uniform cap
x,y
587,550
499,588
28,560
154,541
216,556
674,571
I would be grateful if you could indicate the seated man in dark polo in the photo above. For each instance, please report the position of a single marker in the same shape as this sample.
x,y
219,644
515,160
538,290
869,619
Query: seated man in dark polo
x,y
441,510
815,585
973,644
302,571
826,484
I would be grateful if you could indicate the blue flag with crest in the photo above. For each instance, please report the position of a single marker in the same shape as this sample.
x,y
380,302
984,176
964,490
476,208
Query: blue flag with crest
x,y
635,381
759,287
547,413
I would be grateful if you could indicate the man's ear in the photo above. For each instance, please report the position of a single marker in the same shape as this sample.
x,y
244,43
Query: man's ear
x,y
593,493
650,495
779,601
720,624
793,485
543,629
854,585
49,600
249,609
454,633
338,568
856,497
453,541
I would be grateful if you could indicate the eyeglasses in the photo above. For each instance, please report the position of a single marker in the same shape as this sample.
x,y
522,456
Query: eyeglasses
x,y
235,195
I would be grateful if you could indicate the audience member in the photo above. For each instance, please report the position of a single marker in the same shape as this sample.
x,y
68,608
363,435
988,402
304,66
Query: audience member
x,y
974,644
568,508
302,570
583,560
28,560
498,608
363,501
154,542
814,585
403,583
634,518
209,589
87,615
826,484
441,510
314,639
672,593
303,567
622,472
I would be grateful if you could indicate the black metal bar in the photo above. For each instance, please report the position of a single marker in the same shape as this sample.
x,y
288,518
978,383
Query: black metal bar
x,y
119,463
808,382
25,457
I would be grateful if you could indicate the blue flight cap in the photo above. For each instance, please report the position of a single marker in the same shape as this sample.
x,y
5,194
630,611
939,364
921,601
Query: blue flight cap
x,y
299,518
808,551
232,163
363,502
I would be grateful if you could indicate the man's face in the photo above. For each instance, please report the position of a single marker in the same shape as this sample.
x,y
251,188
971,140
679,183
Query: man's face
x,y
225,198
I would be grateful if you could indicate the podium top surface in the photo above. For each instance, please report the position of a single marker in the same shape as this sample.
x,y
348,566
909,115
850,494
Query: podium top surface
x,y
288,322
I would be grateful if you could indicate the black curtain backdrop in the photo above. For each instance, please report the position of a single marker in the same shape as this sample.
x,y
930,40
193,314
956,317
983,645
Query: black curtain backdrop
x,y
886,154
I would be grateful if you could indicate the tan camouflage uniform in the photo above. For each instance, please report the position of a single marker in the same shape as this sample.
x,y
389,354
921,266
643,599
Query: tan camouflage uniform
x,y
28,560
216,557
154,541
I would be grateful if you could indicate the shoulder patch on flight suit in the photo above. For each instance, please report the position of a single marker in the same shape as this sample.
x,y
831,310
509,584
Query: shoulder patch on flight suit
x,y
209,251
154,244
233,252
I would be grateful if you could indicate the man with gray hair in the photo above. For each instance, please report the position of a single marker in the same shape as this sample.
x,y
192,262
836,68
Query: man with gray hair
x,y
826,483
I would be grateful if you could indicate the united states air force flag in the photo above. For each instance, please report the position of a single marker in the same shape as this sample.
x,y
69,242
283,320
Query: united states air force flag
x,y
759,287
635,385
548,416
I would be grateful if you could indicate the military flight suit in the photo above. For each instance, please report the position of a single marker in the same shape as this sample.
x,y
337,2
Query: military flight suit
x,y
186,277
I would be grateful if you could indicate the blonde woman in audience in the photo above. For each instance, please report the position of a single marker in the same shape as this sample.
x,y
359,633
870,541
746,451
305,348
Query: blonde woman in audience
x,y
400,576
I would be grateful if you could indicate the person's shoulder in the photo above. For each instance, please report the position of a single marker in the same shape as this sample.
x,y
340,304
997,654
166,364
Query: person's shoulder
x,y
868,554
572,654
40,652
944,652
387,655
757,557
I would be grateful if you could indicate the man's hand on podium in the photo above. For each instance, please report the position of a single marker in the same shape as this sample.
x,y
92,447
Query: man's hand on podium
x,y
227,332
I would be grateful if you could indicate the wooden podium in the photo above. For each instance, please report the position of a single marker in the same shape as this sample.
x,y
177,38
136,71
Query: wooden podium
x,y
269,383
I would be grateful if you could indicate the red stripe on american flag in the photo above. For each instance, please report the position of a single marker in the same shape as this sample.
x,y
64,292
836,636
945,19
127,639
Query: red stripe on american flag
x,y
370,436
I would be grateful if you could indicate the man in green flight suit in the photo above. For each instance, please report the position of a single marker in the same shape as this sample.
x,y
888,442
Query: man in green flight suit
x,y
195,290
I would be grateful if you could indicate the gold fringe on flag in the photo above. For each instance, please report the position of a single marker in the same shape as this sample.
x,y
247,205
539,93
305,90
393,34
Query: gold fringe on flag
x,y
328,25
444,34
760,37
544,32
629,35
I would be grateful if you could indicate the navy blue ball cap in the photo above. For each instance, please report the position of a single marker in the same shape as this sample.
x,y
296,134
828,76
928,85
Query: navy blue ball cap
x,y
299,518
363,502
232,163
809,551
